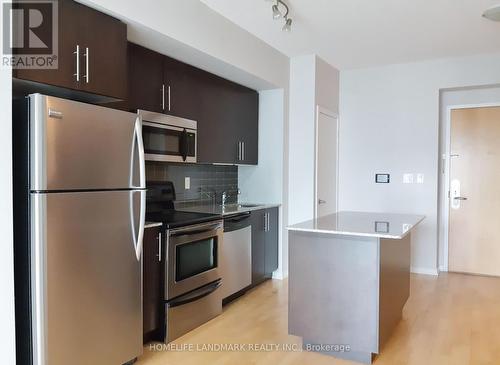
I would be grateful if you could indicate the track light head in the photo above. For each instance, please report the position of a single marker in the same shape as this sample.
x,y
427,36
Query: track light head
x,y
288,25
276,12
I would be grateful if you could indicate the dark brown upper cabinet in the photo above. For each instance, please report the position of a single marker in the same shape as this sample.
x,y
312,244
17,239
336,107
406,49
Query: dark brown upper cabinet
x,y
227,113
146,86
92,54
228,125
182,89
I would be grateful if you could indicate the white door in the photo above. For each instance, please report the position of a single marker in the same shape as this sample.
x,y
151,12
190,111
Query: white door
x,y
326,162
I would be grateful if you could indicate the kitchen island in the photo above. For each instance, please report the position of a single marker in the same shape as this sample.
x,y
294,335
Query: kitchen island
x,y
349,278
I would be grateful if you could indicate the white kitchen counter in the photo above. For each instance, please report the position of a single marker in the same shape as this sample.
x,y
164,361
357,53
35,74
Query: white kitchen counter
x,y
363,224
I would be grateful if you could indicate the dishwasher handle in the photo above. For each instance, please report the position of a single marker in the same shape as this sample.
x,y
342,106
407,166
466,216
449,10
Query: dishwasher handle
x,y
237,222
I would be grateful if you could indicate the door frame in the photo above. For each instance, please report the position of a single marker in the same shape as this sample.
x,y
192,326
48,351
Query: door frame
x,y
321,110
446,158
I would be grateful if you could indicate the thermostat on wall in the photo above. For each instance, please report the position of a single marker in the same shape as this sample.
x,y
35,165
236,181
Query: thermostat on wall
x,y
382,178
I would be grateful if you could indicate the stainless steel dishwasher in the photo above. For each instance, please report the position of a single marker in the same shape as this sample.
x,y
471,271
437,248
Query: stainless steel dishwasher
x,y
236,255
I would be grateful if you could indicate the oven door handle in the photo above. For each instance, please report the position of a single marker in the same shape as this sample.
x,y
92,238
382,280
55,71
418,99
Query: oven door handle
x,y
195,294
195,230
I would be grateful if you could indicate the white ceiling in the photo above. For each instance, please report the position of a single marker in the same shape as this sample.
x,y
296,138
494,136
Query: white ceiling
x,y
363,33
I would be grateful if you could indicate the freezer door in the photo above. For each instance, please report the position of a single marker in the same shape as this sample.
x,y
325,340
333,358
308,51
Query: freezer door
x,y
77,146
87,277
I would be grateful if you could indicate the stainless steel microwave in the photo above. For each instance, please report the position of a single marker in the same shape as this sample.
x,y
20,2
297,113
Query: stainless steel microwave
x,y
168,138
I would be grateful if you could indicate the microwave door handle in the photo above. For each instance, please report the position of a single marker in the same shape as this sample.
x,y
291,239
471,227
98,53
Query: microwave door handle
x,y
184,145
138,143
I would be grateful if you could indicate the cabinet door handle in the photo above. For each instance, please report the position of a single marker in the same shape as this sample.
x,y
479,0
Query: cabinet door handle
x,y
268,223
169,99
87,69
243,151
77,53
239,150
163,97
159,247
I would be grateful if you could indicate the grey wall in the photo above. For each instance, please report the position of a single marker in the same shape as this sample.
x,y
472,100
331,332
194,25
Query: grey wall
x,y
390,123
206,180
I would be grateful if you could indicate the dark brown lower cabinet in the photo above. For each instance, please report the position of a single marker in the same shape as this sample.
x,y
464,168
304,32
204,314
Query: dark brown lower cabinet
x,y
153,311
272,234
265,226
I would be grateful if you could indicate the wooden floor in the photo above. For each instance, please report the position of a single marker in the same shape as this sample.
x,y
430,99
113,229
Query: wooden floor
x,y
451,319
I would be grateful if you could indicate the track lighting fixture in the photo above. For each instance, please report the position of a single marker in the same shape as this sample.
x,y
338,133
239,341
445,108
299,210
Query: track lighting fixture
x,y
281,10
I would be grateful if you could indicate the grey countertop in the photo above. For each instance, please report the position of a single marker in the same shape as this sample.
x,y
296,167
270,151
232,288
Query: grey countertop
x,y
382,225
228,209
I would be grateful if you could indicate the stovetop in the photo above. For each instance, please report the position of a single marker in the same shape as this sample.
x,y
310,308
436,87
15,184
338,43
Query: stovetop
x,y
160,199
172,218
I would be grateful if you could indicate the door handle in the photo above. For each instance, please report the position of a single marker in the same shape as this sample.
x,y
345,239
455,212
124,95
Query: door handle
x,y
159,247
138,236
87,69
169,99
77,53
320,201
140,148
163,97
460,198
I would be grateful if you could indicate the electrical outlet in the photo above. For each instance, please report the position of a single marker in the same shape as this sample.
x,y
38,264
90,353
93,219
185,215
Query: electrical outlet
x,y
407,178
187,183
420,178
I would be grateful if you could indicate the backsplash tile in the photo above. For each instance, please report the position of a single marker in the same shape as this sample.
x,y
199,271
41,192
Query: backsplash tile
x,y
207,181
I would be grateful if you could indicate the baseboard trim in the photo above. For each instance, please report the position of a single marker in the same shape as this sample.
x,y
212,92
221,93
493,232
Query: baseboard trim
x,y
442,269
279,275
424,271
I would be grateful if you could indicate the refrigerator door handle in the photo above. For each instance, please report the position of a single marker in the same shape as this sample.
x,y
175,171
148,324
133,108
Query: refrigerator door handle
x,y
138,236
138,141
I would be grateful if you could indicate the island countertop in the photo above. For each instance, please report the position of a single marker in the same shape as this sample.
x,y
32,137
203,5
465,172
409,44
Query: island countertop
x,y
363,224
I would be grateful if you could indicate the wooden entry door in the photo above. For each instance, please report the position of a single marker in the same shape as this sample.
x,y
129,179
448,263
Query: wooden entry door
x,y
474,226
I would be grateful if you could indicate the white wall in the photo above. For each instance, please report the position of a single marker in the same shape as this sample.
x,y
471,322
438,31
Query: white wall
x,y
264,183
449,98
312,82
190,31
390,123
7,319
327,86
301,138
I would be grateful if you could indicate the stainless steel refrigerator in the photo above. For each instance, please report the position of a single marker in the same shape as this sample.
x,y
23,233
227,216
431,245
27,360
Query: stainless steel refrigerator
x,y
79,187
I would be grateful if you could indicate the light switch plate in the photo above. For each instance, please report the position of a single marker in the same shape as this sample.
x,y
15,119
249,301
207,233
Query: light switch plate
x,y
187,183
407,178
420,178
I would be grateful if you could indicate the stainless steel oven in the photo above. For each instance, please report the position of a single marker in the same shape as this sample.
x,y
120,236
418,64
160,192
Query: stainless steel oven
x,y
193,257
193,278
168,138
